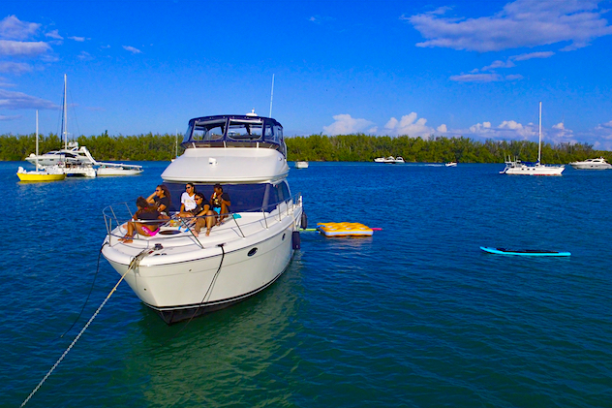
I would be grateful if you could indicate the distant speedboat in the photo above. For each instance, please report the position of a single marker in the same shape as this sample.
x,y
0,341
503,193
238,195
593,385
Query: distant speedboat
x,y
518,168
399,160
592,164
301,165
451,164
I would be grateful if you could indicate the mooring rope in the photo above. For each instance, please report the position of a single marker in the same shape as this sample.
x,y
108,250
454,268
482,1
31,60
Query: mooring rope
x,y
135,262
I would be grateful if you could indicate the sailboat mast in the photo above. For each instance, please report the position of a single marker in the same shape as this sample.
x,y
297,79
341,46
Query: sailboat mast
x,y
540,136
36,140
65,130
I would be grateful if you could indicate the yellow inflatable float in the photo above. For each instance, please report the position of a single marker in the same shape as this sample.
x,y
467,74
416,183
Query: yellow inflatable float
x,y
343,229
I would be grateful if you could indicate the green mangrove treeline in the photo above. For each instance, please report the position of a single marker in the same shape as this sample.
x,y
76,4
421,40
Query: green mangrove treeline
x,y
359,147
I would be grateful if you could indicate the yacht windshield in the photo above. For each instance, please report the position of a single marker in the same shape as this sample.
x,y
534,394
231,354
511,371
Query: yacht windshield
x,y
235,131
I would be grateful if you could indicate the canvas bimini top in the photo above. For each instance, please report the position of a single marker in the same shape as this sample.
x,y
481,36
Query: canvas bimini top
x,y
235,131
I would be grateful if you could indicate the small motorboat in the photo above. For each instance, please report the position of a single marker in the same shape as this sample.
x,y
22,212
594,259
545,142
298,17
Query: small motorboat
x,y
301,165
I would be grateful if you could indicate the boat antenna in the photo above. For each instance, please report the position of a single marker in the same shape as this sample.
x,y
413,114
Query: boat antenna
x,y
36,140
175,143
271,96
540,136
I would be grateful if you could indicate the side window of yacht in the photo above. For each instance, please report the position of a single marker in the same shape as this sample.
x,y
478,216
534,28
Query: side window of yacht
x,y
283,191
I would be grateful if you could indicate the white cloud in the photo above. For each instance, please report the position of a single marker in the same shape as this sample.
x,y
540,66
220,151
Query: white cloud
x,y
13,28
607,125
22,49
513,130
131,49
17,68
54,34
19,100
79,39
499,64
485,77
85,56
523,23
408,125
442,128
320,19
344,124
525,57
476,78
9,118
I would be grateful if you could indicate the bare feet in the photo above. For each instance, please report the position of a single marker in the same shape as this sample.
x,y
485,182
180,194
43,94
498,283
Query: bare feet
x,y
196,233
207,231
126,239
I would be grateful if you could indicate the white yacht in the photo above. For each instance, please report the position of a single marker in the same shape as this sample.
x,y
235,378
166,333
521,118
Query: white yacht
x,y
518,168
390,160
301,164
118,169
592,164
181,276
71,154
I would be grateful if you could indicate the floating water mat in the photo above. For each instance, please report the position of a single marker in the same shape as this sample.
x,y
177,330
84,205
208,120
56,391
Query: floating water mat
x,y
343,229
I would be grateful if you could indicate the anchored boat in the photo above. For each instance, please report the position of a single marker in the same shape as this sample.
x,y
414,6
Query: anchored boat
x,y
180,275
517,168
49,173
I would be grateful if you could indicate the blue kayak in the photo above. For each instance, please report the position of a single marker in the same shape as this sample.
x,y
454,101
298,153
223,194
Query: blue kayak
x,y
523,252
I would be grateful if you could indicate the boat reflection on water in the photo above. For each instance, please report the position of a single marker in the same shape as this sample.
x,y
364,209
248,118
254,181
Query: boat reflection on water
x,y
224,357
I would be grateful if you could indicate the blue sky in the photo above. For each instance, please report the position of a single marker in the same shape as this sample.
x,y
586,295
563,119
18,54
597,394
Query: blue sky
x,y
448,68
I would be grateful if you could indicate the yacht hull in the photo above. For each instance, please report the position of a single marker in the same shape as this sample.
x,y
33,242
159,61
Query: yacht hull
x,y
214,278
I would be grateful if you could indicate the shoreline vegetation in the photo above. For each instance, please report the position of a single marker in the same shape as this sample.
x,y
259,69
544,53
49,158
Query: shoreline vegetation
x,y
343,148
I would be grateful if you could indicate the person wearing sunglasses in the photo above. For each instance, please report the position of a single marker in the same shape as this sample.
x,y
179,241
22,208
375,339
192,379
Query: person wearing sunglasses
x,y
188,202
161,200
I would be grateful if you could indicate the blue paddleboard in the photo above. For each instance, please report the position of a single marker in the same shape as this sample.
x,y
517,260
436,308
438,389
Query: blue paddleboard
x,y
523,252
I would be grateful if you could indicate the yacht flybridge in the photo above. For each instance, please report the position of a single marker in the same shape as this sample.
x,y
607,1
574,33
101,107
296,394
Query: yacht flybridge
x,y
181,275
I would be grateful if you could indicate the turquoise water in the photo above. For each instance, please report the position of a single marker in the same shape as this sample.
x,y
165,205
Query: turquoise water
x,y
416,316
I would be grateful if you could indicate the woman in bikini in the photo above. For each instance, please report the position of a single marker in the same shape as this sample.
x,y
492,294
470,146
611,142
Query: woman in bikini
x,y
145,213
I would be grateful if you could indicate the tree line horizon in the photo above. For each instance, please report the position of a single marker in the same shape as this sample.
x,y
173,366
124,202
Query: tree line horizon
x,y
318,147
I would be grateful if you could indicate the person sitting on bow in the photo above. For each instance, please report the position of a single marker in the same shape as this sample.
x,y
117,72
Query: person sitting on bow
x,y
146,213
220,203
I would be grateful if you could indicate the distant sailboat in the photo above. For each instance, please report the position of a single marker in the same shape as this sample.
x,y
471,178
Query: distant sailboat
x,y
517,168
48,173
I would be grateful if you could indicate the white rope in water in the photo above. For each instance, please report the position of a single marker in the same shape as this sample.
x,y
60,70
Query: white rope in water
x,y
132,265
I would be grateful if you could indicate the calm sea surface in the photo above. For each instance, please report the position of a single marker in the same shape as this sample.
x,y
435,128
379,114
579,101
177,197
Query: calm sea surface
x,y
416,316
